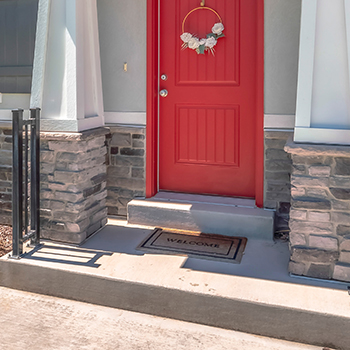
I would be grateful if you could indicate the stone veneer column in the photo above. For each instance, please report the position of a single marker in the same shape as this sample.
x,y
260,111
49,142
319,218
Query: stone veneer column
x,y
320,211
73,184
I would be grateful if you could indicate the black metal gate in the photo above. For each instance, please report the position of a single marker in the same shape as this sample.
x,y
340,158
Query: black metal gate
x,y
25,180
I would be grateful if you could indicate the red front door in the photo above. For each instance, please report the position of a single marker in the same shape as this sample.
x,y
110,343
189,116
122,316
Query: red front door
x,y
207,121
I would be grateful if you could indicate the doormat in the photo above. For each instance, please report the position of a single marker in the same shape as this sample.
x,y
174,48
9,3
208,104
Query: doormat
x,y
195,245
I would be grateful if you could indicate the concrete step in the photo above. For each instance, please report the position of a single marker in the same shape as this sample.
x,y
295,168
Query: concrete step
x,y
256,296
209,214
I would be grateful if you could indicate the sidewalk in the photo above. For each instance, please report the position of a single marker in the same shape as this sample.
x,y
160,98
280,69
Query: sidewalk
x,y
36,322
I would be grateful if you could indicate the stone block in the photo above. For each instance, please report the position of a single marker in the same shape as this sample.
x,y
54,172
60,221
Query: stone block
x,y
319,170
298,214
130,183
339,182
278,196
296,268
319,216
344,257
323,271
343,230
275,186
114,172
47,156
69,196
47,168
279,176
273,154
323,242
311,203
274,143
138,172
342,166
138,144
92,190
297,239
308,181
340,205
132,152
317,193
102,177
306,227
138,136
340,193
345,244
121,139
278,165
313,255
342,272
341,218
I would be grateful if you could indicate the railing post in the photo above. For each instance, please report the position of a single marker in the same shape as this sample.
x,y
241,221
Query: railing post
x,y
35,175
17,182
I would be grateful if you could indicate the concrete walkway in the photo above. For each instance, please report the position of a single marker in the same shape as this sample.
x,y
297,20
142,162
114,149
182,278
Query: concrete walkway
x,y
36,322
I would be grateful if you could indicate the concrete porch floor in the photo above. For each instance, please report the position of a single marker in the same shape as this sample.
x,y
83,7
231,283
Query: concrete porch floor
x,y
257,296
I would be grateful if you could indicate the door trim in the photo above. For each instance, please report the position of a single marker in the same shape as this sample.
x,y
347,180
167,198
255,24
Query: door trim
x,y
152,101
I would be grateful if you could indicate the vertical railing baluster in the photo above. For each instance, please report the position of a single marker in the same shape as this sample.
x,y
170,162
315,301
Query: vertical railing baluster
x,y
35,175
26,223
17,182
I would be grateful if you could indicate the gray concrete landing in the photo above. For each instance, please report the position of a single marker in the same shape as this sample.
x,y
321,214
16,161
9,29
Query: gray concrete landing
x,y
209,214
257,296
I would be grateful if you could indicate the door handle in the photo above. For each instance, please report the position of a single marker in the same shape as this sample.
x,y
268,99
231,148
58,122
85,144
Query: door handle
x,y
163,93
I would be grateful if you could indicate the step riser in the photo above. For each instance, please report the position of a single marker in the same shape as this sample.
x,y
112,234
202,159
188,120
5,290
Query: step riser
x,y
223,223
266,320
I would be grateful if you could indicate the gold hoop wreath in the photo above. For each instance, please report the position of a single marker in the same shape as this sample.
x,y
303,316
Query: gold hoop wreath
x,y
191,41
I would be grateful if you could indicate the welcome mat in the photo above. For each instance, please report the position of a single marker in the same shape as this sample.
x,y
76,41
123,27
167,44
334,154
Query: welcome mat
x,y
205,246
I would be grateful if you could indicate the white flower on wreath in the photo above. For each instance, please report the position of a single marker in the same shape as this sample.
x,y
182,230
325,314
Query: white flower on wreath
x,y
186,37
193,43
202,41
210,42
217,28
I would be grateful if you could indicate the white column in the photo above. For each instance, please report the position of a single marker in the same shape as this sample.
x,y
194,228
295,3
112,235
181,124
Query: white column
x,y
67,74
323,96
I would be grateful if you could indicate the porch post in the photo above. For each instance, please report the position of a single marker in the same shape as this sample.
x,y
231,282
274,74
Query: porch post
x,y
320,207
66,82
66,85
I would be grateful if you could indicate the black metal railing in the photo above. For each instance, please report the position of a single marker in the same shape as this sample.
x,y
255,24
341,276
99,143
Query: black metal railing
x,y
25,180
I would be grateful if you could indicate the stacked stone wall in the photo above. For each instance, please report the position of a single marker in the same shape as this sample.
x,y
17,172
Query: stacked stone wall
x,y
6,176
278,168
73,184
126,167
320,211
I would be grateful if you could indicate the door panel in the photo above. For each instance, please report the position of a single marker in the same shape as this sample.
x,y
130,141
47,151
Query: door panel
x,y
207,121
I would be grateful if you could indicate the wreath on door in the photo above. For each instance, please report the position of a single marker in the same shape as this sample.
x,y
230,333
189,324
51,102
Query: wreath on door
x,y
208,43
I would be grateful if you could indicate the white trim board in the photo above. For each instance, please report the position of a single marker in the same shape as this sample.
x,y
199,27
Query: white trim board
x,y
321,136
279,121
138,118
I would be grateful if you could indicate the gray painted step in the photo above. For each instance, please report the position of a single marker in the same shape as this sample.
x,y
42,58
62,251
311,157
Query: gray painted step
x,y
209,214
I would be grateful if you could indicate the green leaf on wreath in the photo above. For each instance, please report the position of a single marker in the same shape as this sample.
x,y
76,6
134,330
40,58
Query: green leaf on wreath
x,y
201,49
221,35
210,35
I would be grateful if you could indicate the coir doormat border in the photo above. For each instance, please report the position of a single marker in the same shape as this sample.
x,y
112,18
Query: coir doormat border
x,y
232,248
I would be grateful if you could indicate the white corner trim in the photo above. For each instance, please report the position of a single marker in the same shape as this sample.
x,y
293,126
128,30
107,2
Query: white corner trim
x,y
279,121
318,135
138,118
71,125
